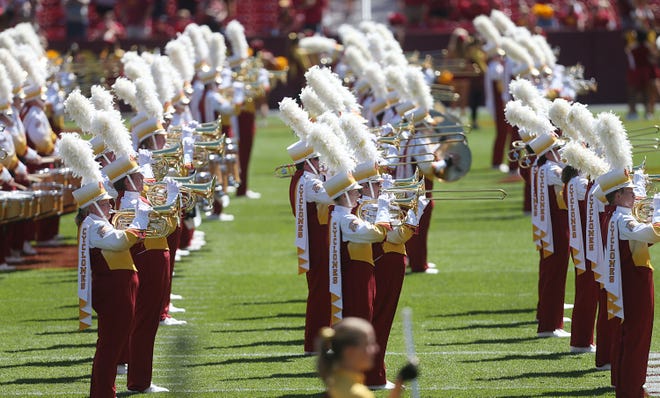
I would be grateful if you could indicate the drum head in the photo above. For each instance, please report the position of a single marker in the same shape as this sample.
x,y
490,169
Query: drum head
x,y
461,160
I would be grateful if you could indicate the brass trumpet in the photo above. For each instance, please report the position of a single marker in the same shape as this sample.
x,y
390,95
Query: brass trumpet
x,y
163,220
167,158
642,210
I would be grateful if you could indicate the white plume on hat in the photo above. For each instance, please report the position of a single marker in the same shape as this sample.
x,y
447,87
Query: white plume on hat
x,y
161,77
217,51
418,89
31,65
355,60
179,57
332,153
532,48
558,113
24,33
311,102
235,33
126,91
360,140
7,41
332,120
347,97
542,43
376,46
5,85
502,22
583,159
487,29
397,80
199,44
517,52
114,133
395,58
352,37
581,119
295,117
147,100
80,109
15,72
317,44
79,157
616,147
173,74
524,90
373,73
324,88
102,99
523,116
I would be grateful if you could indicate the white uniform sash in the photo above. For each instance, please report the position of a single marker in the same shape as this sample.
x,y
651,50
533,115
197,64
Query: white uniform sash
x,y
535,207
545,221
613,280
302,239
84,277
575,226
594,244
334,270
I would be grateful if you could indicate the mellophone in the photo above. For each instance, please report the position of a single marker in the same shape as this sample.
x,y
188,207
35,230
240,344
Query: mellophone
x,y
50,194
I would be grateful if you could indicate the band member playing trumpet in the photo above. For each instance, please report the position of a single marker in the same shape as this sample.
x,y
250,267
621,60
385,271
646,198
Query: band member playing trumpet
x,y
309,203
553,226
630,282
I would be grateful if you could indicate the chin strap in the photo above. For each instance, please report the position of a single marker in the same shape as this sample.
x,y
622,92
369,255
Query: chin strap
x,y
348,200
96,206
130,181
311,166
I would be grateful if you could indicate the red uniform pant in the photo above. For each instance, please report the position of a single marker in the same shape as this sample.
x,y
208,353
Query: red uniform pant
x,y
153,271
527,189
416,246
502,129
173,245
389,272
634,335
46,229
358,289
318,311
605,332
584,309
552,277
113,298
246,128
187,231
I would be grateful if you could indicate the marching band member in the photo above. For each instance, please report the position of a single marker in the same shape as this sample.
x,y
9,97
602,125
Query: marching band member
x,y
107,277
310,206
151,257
40,135
553,235
245,120
629,281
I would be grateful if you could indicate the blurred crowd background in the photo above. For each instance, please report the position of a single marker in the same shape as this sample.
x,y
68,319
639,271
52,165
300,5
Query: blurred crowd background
x,y
112,20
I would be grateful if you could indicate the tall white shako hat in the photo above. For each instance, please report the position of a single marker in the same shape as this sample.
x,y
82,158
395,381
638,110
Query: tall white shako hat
x,y
300,151
618,153
35,85
235,33
77,155
363,145
115,135
519,54
336,158
6,95
149,105
420,93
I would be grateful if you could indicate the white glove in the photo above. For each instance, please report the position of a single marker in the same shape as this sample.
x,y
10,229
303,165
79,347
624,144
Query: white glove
x,y
188,149
639,179
20,169
656,208
5,176
144,157
387,183
383,212
141,219
193,124
226,78
187,131
422,202
239,93
411,218
386,129
264,79
172,190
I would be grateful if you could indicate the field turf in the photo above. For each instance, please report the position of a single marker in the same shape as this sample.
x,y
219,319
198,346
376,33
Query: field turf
x,y
474,322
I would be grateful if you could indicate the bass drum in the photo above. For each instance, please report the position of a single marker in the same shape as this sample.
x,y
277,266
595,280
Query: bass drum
x,y
452,146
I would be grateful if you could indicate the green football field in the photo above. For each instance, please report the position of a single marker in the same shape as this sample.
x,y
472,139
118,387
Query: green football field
x,y
474,322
